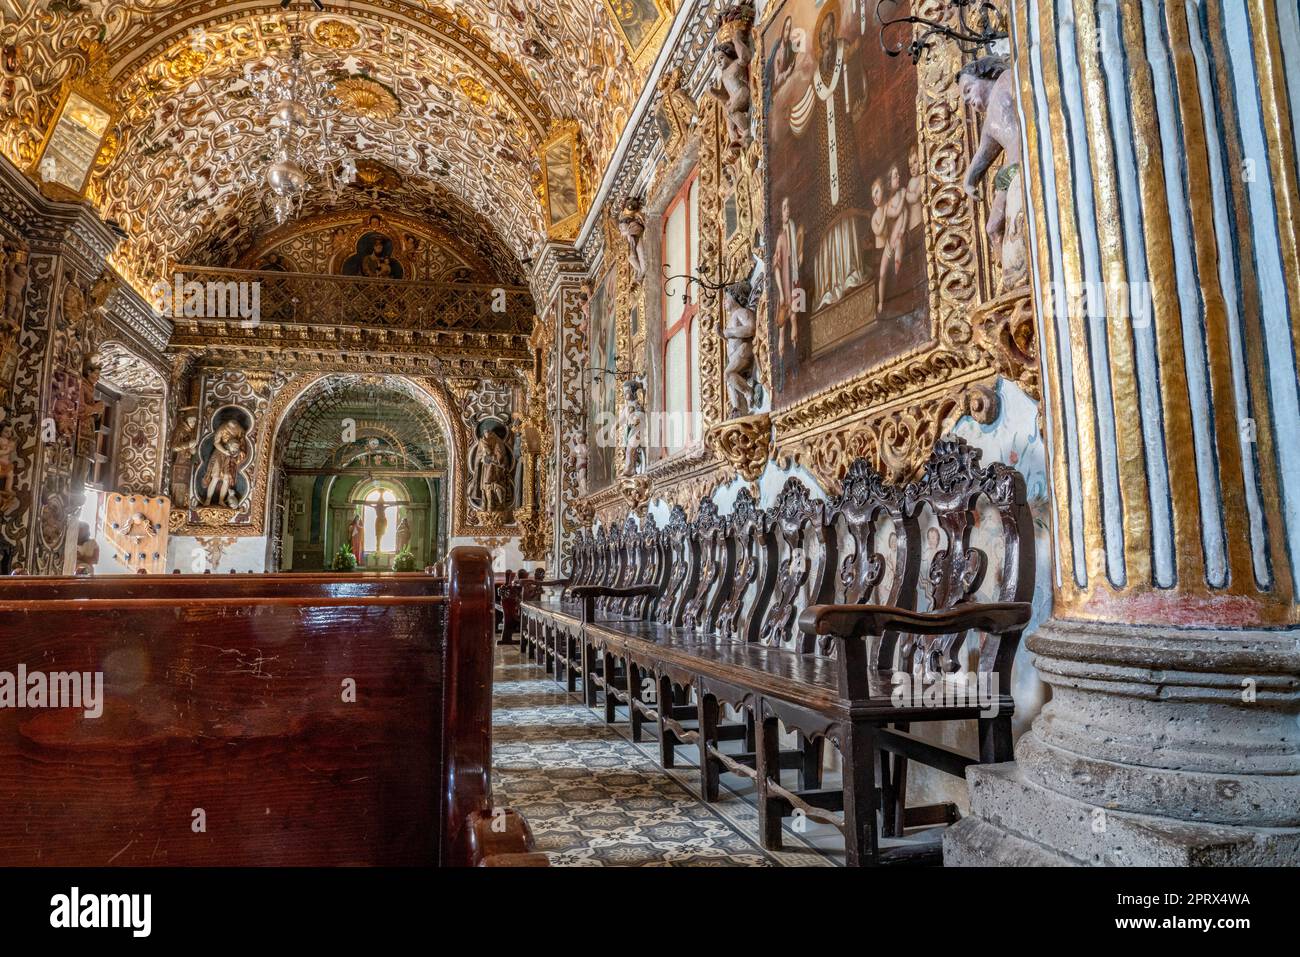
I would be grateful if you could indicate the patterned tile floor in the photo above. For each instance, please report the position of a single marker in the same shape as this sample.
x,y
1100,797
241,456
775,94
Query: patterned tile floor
x,y
593,798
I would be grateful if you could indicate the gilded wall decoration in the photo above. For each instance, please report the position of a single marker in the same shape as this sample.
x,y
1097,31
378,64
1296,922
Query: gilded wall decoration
x,y
139,446
179,88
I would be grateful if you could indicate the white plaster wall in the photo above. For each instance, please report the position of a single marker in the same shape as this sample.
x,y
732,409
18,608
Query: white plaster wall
x,y
244,555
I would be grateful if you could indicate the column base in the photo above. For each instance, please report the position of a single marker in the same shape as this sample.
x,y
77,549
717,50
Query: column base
x,y
1016,823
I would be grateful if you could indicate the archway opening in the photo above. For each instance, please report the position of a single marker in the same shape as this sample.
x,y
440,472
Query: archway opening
x,y
361,466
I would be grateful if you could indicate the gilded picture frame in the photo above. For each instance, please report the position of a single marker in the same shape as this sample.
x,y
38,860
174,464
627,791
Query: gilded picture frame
x,y
74,138
564,200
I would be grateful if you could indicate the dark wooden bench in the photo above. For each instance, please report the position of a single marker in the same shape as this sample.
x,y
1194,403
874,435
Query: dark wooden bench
x,y
230,735
805,614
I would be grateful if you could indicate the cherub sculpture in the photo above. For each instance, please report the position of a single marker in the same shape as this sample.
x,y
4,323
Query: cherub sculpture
x,y
631,223
633,414
987,84
733,52
739,301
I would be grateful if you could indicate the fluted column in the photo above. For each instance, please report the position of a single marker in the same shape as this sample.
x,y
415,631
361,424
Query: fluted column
x,y
1160,159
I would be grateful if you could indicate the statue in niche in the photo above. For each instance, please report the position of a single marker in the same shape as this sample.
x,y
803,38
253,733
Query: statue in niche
x,y
13,287
491,464
65,405
581,455
733,50
631,224
738,336
221,480
357,537
92,409
403,532
185,439
988,86
633,416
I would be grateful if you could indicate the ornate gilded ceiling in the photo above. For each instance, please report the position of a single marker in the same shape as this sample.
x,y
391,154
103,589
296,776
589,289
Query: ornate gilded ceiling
x,y
454,96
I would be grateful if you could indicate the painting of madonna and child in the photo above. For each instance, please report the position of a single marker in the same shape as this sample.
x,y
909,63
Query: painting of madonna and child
x,y
845,200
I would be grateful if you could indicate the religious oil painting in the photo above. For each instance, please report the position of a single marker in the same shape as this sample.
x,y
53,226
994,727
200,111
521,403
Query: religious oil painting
x,y
845,197
373,258
637,20
602,409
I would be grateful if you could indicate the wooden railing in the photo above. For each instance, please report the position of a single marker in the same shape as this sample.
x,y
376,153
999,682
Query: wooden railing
x,y
289,298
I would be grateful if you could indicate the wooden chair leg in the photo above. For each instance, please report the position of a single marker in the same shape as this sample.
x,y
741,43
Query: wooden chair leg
x,y
859,754
810,771
664,706
767,762
610,701
634,717
588,672
995,739
570,672
710,769
751,739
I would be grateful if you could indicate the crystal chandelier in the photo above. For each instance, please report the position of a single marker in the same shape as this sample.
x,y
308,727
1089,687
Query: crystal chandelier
x,y
300,109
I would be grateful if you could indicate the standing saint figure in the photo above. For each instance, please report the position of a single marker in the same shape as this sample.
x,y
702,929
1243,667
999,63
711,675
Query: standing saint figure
x,y
839,263
221,477
787,260
357,537
403,532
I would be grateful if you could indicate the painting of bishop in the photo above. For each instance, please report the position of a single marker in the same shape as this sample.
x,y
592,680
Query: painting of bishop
x,y
845,197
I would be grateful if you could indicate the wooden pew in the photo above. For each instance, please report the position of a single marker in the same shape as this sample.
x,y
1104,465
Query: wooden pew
x,y
229,734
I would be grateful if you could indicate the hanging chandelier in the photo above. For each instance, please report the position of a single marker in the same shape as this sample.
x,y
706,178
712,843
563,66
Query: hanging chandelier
x,y
300,110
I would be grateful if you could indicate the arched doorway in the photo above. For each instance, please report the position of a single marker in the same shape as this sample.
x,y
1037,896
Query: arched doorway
x,y
370,448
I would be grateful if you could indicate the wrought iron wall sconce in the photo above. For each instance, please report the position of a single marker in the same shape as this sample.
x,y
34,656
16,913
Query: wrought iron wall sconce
x,y
980,24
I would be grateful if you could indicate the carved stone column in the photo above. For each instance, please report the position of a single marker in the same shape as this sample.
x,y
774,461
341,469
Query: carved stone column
x,y
1161,170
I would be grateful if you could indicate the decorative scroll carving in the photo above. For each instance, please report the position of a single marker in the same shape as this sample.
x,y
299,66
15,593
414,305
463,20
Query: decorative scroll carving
x,y
745,444
896,441
1006,330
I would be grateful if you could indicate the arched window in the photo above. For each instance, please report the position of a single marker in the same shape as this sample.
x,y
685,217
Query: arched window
x,y
681,338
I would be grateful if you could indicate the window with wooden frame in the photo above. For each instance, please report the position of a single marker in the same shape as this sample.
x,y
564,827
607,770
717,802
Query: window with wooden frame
x,y
100,474
681,334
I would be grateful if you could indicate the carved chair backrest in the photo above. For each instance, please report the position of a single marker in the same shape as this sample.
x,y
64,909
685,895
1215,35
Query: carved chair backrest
x,y
793,564
710,534
653,569
678,553
630,565
736,620
616,561
579,561
961,497
872,548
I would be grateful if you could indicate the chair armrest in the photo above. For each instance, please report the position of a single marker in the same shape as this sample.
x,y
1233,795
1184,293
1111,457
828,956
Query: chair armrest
x,y
552,583
604,591
859,621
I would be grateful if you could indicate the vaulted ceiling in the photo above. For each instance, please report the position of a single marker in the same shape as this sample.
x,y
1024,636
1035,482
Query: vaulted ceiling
x,y
456,97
